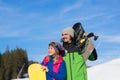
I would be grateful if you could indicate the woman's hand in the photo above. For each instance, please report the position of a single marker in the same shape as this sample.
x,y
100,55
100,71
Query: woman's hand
x,y
45,68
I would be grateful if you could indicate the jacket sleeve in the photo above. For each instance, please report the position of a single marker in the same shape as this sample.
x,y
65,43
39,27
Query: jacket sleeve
x,y
61,74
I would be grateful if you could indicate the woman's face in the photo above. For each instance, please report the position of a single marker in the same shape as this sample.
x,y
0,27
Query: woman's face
x,y
51,50
66,37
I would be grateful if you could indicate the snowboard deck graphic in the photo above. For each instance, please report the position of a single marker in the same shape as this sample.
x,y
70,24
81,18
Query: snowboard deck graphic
x,y
35,72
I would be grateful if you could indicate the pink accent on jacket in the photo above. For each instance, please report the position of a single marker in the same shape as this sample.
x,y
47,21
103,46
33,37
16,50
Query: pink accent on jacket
x,y
56,64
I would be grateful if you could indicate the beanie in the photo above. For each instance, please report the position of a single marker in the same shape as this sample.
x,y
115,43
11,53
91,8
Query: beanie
x,y
58,47
69,30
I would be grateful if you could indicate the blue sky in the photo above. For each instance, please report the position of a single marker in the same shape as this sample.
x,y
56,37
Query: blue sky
x,y
32,24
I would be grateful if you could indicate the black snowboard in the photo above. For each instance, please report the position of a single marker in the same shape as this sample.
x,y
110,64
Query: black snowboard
x,y
84,42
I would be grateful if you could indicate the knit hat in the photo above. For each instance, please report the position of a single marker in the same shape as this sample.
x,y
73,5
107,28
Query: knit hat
x,y
69,30
58,47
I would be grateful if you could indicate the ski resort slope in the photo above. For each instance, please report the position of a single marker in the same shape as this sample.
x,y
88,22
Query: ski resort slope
x,y
21,79
106,71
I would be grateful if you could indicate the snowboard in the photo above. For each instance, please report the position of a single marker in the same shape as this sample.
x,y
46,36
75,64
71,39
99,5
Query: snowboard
x,y
84,43
35,72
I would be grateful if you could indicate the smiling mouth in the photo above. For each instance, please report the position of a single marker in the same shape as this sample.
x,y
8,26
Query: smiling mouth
x,y
64,38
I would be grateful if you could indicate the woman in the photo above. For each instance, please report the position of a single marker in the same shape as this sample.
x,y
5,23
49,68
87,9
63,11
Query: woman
x,y
75,64
53,62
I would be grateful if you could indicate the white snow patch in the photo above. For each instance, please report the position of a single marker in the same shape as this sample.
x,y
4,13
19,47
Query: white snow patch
x,y
106,71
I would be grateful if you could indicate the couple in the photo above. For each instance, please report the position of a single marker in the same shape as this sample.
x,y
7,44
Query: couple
x,y
64,65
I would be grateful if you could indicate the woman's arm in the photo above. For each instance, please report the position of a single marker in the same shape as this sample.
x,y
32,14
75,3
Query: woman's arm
x,y
61,73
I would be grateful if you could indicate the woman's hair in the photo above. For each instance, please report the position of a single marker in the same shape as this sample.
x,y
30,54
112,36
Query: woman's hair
x,y
55,58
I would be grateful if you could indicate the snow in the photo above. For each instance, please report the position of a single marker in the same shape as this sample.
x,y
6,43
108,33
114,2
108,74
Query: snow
x,y
106,71
21,79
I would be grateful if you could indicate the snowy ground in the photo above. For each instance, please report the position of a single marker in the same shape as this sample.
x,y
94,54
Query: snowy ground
x,y
106,71
21,79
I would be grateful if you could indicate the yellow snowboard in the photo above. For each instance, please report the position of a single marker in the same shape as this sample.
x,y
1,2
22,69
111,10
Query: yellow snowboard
x,y
35,72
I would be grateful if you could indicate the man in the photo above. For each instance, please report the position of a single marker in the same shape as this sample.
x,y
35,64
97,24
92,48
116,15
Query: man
x,y
75,64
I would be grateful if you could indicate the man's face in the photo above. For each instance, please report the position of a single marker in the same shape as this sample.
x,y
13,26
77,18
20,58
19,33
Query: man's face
x,y
66,37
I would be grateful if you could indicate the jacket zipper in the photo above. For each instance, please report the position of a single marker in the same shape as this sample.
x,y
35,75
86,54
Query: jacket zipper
x,y
70,66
